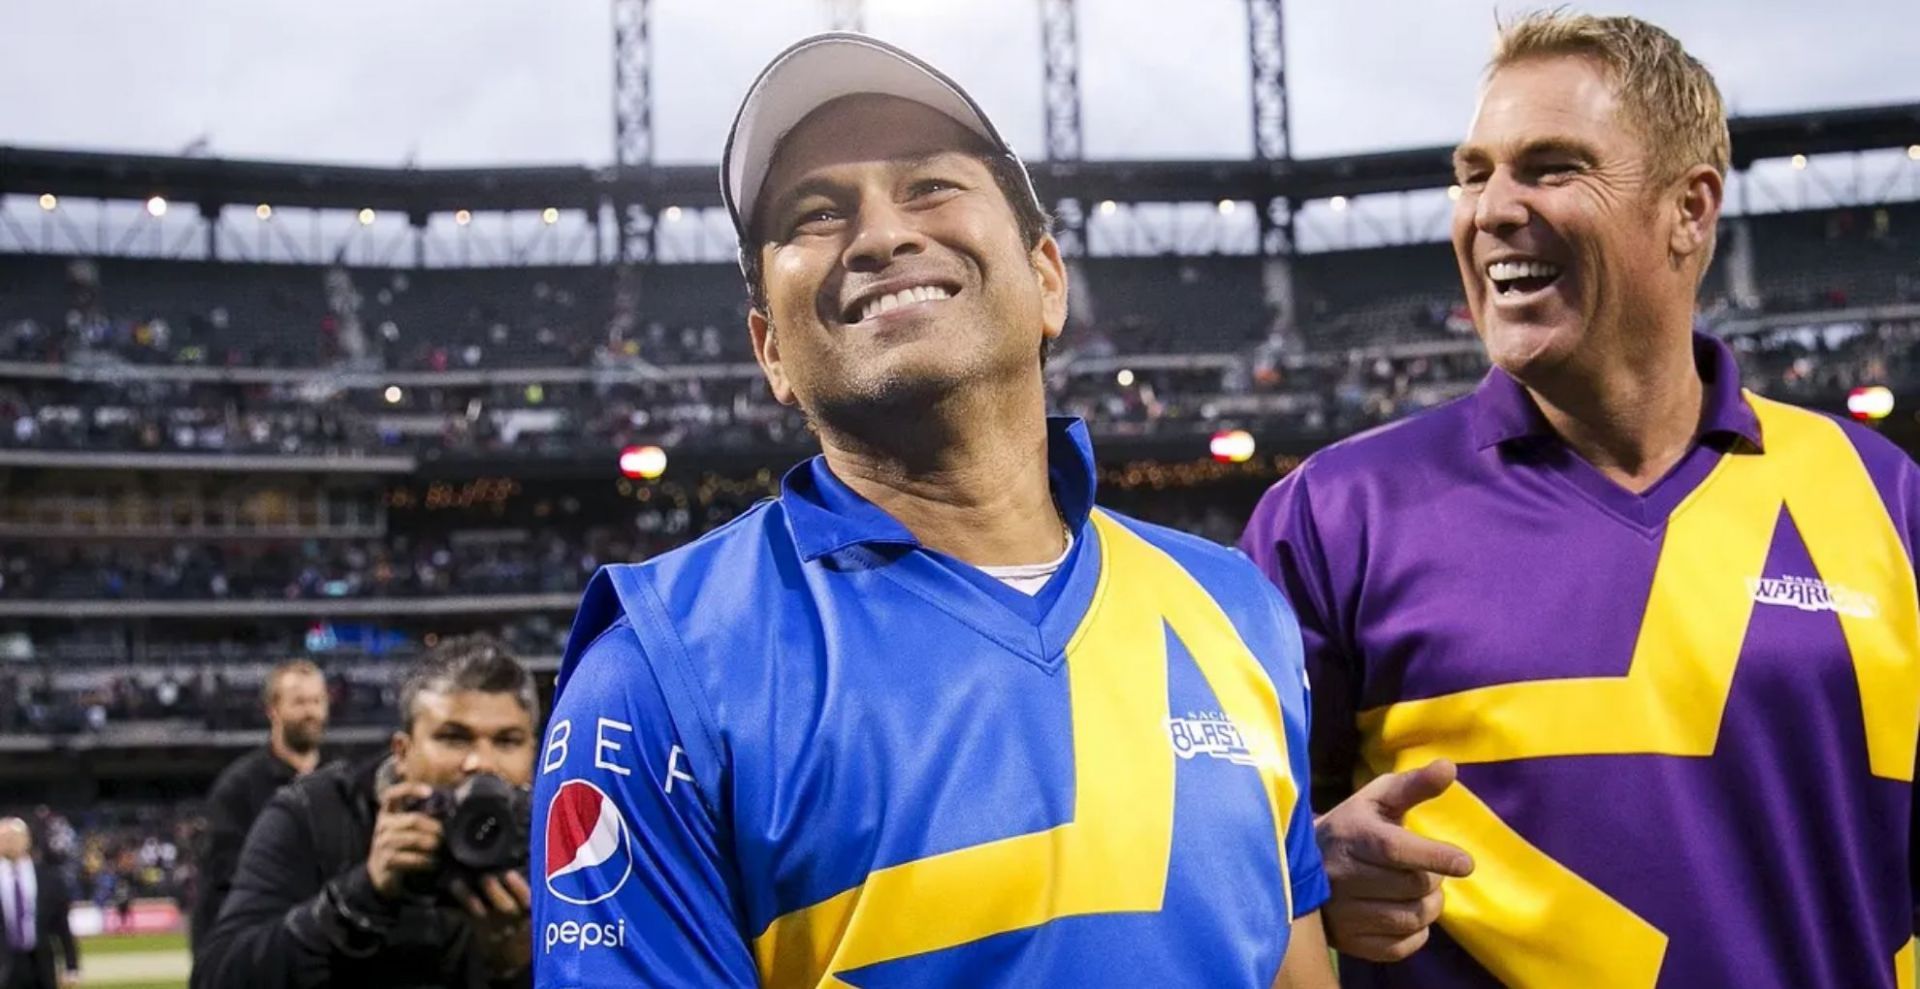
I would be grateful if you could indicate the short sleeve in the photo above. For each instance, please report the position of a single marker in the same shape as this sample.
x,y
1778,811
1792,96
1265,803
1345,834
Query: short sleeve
x,y
638,886
1283,538
1304,868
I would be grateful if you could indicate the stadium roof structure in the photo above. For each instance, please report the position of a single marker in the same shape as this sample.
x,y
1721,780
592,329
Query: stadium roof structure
x,y
419,193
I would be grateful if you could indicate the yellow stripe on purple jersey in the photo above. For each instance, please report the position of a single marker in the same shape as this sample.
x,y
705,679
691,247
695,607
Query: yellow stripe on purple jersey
x,y
1687,720
806,751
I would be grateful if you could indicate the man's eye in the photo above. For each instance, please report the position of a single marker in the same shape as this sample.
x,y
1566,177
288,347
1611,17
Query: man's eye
x,y
814,220
928,187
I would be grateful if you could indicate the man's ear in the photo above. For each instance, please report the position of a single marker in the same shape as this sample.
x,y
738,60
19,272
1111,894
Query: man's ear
x,y
1052,274
1697,201
399,745
766,350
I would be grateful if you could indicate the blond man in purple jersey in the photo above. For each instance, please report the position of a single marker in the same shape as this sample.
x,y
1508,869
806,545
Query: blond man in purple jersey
x,y
1666,630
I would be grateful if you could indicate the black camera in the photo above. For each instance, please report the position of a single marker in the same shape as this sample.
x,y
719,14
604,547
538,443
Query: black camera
x,y
484,825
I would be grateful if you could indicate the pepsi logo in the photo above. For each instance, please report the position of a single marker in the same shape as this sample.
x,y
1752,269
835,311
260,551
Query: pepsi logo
x,y
589,848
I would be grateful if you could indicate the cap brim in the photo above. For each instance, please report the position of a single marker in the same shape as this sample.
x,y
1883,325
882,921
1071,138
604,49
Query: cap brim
x,y
809,75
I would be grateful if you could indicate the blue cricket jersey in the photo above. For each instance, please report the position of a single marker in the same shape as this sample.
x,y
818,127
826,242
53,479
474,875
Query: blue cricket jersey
x,y
806,751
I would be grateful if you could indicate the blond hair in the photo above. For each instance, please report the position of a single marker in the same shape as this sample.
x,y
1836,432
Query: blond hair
x,y
270,690
1665,93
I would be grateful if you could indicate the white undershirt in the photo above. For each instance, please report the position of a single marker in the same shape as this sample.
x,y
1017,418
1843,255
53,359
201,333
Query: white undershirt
x,y
1029,578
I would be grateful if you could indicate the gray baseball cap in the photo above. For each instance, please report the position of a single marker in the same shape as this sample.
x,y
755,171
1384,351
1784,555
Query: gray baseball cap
x,y
816,71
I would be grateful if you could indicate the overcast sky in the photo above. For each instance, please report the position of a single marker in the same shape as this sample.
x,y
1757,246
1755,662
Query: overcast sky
x,y
478,82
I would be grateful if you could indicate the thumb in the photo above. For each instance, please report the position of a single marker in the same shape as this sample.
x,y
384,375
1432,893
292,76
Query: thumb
x,y
1397,793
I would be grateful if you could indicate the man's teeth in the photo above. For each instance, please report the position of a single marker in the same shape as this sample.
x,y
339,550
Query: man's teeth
x,y
1506,271
923,293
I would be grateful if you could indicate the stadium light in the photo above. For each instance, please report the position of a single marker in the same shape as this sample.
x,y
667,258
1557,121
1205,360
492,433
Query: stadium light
x,y
462,217
156,207
1870,404
263,211
1232,446
643,463
49,201
394,394
1226,207
1453,193
1339,204
549,216
1799,163
673,213
1913,152
366,218
1125,377
1107,207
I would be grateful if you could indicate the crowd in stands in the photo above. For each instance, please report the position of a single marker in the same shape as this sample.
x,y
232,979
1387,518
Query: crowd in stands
x,y
400,566
43,702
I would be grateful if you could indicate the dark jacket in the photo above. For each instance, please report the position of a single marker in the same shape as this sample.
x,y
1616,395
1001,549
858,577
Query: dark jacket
x,y
302,912
53,945
236,799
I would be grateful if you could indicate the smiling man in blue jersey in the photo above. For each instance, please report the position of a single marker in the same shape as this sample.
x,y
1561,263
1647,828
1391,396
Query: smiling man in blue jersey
x,y
929,718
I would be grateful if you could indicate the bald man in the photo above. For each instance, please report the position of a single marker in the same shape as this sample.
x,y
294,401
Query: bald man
x,y
33,917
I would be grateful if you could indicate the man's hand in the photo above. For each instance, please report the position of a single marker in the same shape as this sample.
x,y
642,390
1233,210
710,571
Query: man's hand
x,y
69,978
1386,880
404,841
501,911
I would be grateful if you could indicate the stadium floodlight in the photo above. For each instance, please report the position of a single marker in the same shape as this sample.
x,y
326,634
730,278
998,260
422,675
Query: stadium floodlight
x,y
1107,206
1799,163
1339,204
1125,377
462,217
673,213
1453,193
366,218
643,463
156,207
1226,207
1232,446
1870,404
549,216
49,201
394,394
263,211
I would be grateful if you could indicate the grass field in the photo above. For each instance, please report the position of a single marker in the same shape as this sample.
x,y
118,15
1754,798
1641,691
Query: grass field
x,y
134,961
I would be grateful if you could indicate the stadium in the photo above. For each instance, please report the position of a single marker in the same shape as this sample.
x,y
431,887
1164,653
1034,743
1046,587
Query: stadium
x,y
258,408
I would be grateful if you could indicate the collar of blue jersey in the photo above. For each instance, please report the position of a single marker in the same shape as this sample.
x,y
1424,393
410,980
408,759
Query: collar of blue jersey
x,y
825,516
1502,411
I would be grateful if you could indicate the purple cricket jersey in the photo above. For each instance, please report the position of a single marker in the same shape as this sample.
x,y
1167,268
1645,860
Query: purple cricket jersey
x,y
1686,720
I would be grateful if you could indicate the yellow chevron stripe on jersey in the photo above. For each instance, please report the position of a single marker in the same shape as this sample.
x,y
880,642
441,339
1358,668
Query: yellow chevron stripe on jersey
x,y
1854,543
1113,856
1672,698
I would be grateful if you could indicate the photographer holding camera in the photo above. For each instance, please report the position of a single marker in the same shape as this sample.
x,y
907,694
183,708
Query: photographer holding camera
x,y
405,871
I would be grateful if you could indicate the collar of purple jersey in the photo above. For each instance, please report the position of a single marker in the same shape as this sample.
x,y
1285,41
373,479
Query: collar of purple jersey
x,y
1501,410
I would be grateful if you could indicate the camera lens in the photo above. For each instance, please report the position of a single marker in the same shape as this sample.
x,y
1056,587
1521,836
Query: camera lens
x,y
485,832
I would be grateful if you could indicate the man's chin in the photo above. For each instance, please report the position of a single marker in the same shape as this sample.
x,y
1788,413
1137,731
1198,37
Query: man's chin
x,y
303,744
1526,348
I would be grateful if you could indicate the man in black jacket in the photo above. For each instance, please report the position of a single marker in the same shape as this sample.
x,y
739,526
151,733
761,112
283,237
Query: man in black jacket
x,y
334,885
295,697
37,951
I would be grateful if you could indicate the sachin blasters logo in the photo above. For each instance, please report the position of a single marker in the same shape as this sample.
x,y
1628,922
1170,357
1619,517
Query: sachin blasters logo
x,y
1209,733
1812,594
